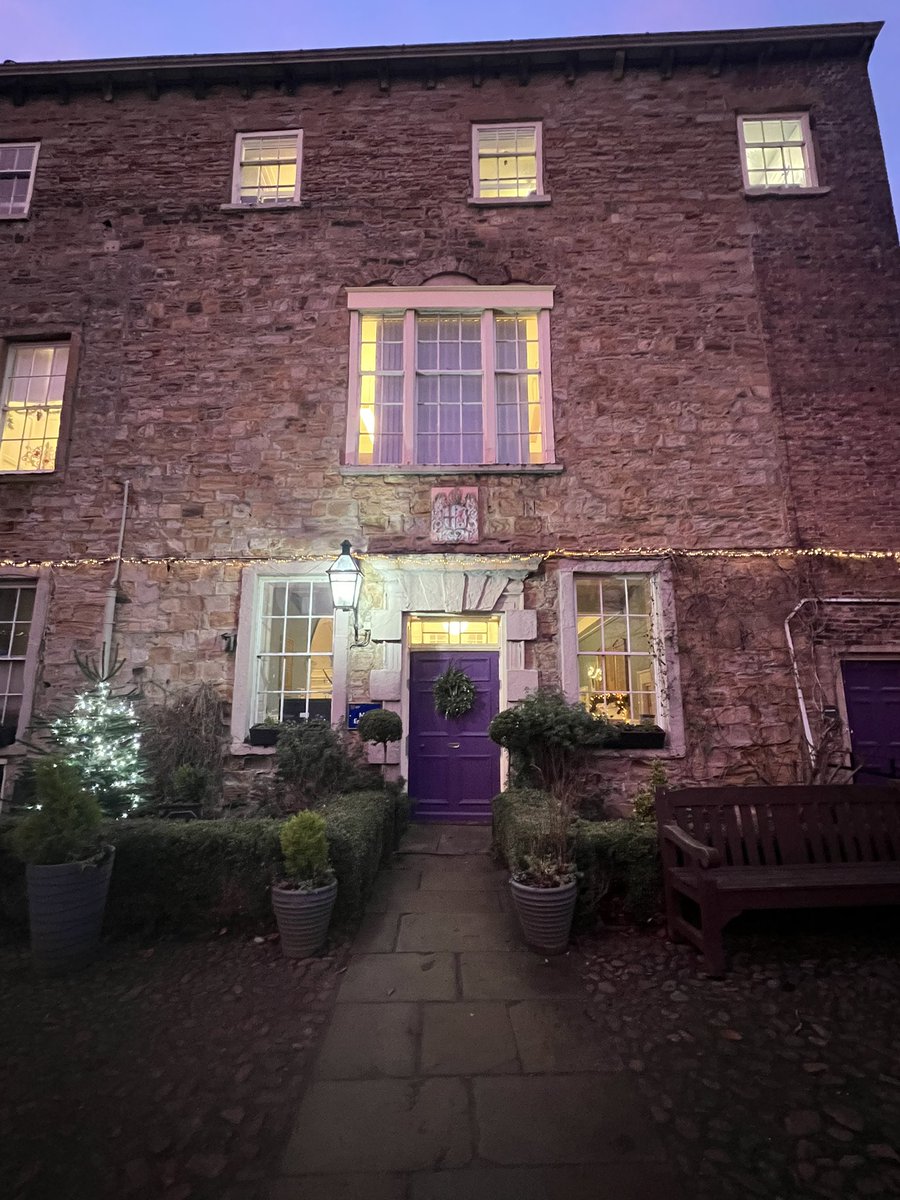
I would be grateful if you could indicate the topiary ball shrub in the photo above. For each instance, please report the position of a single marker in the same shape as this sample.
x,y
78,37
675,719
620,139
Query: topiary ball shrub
x,y
380,726
304,847
66,828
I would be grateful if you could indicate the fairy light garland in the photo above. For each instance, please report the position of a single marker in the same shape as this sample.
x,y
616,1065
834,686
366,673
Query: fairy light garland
x,y
560,552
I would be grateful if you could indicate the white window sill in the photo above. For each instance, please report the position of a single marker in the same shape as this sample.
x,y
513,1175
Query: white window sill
x,y
491,469
244,748
13,216
258,208
784,192
503,201
637,752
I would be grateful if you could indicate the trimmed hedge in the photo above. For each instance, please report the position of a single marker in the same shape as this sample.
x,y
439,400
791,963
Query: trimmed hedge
x,y
184,878
619,857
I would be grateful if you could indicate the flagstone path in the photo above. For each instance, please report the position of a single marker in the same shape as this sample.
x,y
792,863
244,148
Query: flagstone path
x,y
458,1064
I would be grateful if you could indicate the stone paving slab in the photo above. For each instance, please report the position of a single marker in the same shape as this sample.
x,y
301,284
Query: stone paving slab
x,y
467,1039
563,1036
453,866
612,1181
456,931
438,876
390,887
487,901
465,839
377,933
341,1187
370,1041
571,1119
387,1125
422,839
519,976
393,977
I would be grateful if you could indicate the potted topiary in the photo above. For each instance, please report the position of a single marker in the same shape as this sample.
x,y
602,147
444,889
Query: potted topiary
x,y
68,866
303,900
548,738
380,726
264,733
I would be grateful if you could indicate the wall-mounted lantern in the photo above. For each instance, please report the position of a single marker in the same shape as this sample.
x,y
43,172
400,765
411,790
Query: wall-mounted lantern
x,y
345,578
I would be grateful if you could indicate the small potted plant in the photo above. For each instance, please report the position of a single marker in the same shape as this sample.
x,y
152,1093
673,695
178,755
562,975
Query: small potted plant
x,y
380,726
303,900
544,891
264,733
67,868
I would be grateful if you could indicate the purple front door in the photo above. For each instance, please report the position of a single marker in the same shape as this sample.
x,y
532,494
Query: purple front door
x,y
454,767
872,692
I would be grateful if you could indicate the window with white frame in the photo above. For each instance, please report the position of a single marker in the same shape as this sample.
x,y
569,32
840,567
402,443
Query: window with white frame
x,y
507,161
267,168
294,650
616,667
18,162
451,377
31,401
16,613
776,151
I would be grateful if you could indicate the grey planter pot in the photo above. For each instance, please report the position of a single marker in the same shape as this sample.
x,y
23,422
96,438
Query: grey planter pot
x,y
65,912
303,918
545,915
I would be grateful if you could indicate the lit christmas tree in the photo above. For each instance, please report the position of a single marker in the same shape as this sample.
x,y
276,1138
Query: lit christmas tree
x,y
101,737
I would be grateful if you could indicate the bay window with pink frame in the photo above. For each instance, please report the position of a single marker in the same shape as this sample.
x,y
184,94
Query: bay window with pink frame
x,y
450,377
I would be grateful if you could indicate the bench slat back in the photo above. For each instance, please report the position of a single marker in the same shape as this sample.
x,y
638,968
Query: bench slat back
x,y
789,826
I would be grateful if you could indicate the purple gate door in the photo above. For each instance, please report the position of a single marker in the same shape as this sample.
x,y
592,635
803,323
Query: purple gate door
x,y
454,767
872,692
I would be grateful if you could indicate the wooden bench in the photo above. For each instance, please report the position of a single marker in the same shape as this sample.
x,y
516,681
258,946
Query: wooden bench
x,y
731,849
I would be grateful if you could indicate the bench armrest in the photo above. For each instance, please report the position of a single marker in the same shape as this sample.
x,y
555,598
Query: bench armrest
x,y
703,856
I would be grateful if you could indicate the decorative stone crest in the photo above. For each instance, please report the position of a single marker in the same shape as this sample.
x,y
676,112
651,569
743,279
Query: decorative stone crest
x,y
454,514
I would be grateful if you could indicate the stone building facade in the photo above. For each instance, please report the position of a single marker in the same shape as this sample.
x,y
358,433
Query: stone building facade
x,y
605,430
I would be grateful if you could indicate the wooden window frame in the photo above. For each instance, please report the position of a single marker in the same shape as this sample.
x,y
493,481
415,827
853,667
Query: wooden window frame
x,y
23,216
472,301
32,336
540,196
236,168
809,157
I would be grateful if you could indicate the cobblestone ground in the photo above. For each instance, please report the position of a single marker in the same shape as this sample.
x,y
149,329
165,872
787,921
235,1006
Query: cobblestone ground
x,y
170,1073
782,1080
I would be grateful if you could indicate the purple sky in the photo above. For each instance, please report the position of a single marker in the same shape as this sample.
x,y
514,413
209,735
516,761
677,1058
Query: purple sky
x,y
51,29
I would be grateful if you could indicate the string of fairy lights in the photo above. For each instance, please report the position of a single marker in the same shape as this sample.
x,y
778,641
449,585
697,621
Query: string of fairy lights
x,y
559,552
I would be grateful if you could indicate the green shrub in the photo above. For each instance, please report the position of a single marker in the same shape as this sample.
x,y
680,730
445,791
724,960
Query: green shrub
x,y
644,800
618,858
359,827
548,737
304,848
314,761
380,726
190,785
193,876
66,827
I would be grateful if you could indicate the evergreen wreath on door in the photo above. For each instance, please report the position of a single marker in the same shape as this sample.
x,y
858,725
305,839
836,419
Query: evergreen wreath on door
x,y
454,693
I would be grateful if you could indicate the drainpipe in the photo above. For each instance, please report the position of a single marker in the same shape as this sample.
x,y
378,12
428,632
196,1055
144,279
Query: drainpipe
x,y
109,614
795,670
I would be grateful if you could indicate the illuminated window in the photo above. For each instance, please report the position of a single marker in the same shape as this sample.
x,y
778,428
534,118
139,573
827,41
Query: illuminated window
x,y
434,386
31,405
506,162
18,161
616,672
267,168
460,632
16,612
294,650
776,151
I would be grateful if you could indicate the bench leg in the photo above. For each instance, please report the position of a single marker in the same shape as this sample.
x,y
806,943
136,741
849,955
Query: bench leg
x,y
713,950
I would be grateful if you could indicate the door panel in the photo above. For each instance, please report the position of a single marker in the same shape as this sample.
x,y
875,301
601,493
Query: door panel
x,y
454,767
872,692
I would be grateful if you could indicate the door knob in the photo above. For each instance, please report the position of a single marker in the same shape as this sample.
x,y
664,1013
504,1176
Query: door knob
x,y
454,745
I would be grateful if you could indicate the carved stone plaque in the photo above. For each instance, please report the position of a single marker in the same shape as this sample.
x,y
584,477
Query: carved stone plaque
x,y
454,514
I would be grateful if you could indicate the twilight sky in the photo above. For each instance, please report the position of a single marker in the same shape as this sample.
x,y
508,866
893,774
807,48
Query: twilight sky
x,y
52,29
